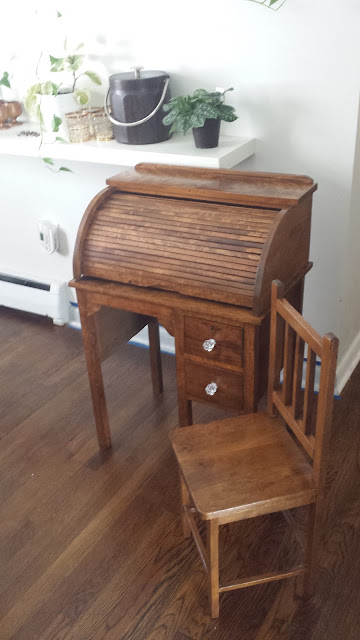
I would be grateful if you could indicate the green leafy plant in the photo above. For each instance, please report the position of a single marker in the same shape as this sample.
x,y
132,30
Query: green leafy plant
x,y
72,64
4,81
187,112
271,4
49,163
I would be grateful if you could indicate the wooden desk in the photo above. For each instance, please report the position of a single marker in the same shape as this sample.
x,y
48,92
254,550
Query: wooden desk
x,y
237,364
195,250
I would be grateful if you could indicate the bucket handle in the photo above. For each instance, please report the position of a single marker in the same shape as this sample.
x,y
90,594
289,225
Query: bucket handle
x,y
135,124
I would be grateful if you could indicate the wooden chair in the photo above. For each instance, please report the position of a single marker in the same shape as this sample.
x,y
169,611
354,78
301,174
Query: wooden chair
x,y
252,465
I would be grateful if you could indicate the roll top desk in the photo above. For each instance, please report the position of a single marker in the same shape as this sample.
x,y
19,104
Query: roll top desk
x,y
196,250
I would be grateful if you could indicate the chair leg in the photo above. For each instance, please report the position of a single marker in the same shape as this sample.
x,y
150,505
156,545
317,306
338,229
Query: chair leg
x,y
312,550
185,502
213,566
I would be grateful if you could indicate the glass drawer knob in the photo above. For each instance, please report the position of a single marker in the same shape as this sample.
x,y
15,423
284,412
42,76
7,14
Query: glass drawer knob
x,y
211,388
208,345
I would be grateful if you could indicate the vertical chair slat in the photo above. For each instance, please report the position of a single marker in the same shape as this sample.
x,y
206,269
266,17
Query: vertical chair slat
x,y
309,390
288,372
298,370
277,290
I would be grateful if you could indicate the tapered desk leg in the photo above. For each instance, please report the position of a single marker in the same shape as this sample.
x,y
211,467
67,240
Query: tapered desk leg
x,y
155,356
185,412
184,405
93,362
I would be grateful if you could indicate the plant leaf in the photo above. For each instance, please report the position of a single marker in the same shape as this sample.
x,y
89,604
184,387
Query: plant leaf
x,y
206,110
80,46
40,115
5,80
93,76
74,61
47,88
182,124
59,139
66,169
30,102
56,122
34,89
58,14
57,64
48,161
82,96
200,93
197,120
170,118
227,113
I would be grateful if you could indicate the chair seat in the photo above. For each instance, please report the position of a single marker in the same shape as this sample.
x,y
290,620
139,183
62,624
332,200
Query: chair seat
x,y
242,467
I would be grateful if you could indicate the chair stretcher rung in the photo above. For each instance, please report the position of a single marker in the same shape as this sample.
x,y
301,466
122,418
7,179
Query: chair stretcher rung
x,y
266,577
196,535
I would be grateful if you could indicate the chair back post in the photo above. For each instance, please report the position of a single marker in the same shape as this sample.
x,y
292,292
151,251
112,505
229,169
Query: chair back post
x,y
277,292
325,401
308,420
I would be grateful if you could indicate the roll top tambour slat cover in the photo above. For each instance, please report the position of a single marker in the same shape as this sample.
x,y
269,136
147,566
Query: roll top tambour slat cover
x,y
186,239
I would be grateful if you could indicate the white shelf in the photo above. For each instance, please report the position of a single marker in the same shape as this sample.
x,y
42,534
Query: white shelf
x,y
178,150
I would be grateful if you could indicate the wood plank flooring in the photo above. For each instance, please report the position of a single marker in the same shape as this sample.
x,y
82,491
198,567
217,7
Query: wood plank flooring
x,y
90,543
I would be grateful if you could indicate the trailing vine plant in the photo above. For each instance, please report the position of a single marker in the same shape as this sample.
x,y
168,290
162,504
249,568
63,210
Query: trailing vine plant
x,y
271,4
71,63
4,81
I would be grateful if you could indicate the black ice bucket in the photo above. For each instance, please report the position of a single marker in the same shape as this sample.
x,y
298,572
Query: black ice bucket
x,y
136,100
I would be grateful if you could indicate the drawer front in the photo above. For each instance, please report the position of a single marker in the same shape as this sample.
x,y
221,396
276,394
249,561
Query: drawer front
x,y
214,385
214,341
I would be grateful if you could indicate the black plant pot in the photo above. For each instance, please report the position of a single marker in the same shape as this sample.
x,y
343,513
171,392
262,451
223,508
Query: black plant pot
x,y
207,137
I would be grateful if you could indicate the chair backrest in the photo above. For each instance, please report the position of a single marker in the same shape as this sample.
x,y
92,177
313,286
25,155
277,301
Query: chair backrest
x,y
307,415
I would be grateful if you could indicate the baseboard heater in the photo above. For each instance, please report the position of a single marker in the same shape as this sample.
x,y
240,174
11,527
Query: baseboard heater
x,y
44,298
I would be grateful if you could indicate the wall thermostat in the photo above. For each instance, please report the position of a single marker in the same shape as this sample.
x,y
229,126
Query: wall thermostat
x,y
49,236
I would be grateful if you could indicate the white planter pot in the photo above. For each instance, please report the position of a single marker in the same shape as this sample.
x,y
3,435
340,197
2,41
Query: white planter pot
x,y
7,94
57,106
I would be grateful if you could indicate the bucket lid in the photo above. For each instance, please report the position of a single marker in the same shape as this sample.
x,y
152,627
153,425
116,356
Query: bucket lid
x,y
138,73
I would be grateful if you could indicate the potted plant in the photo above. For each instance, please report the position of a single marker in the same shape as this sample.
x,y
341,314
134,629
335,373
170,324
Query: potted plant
x,y
270,3
202,112
49,100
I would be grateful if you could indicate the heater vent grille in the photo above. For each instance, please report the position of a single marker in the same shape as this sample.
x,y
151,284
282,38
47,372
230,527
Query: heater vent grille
x,y
24,282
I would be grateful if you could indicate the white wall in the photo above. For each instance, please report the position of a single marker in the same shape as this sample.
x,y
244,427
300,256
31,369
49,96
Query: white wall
x,y
30,193
296,79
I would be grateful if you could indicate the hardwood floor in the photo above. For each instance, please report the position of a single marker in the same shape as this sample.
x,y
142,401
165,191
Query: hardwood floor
x,y
91,545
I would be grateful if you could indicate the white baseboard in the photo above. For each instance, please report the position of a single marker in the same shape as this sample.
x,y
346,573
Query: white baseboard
x,y
74,316
47,298
347,364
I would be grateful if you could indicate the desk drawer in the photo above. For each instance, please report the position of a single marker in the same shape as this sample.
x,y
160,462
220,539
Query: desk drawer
x,y
214,341
214,385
